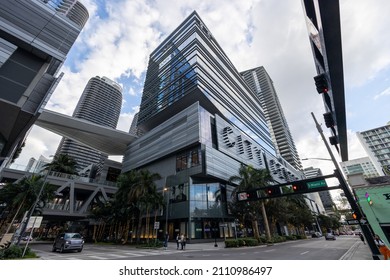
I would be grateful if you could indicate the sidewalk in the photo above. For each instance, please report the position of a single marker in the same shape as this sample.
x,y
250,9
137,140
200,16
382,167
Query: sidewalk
x,y
359,251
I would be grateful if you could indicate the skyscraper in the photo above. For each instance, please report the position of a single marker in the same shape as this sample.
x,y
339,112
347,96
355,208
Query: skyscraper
x,y
198,122
261,83
99,103
376,143
34,42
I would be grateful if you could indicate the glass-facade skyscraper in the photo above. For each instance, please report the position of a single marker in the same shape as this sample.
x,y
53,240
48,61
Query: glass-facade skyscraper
x,y
198,122
99,103
35,39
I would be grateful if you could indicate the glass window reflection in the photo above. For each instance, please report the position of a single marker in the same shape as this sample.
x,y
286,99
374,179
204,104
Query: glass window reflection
x,y
205,200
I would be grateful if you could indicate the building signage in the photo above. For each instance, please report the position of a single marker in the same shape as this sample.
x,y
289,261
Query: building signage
x,y
234,143
238,145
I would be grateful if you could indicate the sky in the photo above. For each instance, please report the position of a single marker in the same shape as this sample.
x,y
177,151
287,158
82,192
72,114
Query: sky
x,y
120,35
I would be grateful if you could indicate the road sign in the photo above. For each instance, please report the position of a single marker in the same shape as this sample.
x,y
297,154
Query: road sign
x,y
34,221
316,184
242,196
156,225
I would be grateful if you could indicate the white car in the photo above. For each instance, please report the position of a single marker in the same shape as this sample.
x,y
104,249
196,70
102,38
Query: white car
x,y
330,236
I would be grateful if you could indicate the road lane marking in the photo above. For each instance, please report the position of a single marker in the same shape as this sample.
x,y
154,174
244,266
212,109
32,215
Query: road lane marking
x,y
305,252
269,250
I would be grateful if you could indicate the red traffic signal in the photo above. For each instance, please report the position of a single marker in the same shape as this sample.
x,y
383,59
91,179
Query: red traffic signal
x,y
321,83
273,191
299,187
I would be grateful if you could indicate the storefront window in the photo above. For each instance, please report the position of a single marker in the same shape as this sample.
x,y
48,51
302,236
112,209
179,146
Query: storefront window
x,y
205,200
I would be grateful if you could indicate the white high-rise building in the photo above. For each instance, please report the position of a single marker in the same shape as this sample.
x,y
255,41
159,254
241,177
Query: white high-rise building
x,y
359,165
100,103
261,84
376,142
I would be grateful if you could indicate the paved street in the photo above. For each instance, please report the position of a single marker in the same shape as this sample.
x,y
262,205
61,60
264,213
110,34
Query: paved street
x,y
311,249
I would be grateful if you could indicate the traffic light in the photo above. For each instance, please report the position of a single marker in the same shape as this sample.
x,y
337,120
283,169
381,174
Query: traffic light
x,y
333,140
367,195
329,121
299,187
356,216
273,191
321,83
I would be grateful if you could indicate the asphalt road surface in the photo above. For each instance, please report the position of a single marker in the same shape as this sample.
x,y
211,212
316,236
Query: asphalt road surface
x,y
310,249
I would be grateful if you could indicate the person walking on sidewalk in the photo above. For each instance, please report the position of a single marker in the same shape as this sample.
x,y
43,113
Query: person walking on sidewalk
x,y
183,241
166,239
382,247
177,241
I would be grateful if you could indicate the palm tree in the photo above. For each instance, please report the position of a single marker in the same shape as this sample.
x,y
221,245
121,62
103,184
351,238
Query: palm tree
x,y
22,195
62,163
137,188
249,178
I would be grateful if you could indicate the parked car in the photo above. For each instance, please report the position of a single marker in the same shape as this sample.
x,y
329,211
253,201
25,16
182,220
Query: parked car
x,y
27,238
330,236
68,241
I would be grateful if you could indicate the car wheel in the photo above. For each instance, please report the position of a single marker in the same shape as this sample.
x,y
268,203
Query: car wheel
x,y
79,250
54,248
62,249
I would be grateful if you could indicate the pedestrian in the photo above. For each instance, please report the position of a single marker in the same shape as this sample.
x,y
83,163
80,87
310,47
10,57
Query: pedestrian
x,y
166,239
382,247
362,238
183,241
177,241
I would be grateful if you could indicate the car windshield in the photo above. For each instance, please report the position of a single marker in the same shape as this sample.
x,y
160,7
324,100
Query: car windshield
x,y
72,235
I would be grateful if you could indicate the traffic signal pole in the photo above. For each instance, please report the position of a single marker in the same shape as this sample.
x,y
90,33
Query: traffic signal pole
x,y
348,194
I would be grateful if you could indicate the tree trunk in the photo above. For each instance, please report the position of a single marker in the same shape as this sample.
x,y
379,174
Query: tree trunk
x,y
255,227
266,225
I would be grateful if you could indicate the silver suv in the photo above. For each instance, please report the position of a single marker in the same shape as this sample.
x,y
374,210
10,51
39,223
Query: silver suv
x,y
68,242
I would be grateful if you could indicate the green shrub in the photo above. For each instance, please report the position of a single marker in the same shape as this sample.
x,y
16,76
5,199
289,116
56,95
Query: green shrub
x,y
12,252
278,238
252,242
290,237
151,244
241,242
231,243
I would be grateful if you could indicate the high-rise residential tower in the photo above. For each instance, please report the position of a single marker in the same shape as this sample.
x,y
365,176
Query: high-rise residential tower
x,y
359,165
261,83
198,122
376,143
99,103
34,41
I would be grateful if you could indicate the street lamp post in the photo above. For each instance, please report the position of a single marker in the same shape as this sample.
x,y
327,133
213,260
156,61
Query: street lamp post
x,y
166,189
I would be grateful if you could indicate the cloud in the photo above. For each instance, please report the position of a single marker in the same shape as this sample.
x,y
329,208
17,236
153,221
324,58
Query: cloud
x,y
120,35
365,44
383,93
